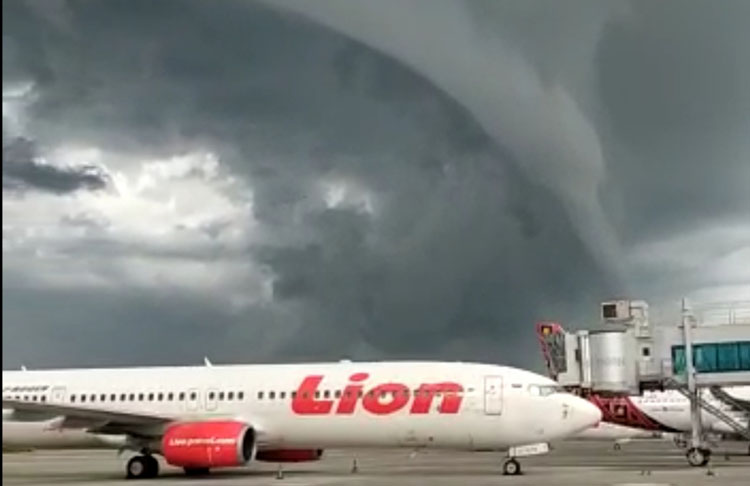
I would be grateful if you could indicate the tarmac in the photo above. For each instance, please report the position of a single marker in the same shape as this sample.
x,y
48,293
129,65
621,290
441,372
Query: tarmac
x,y
580,463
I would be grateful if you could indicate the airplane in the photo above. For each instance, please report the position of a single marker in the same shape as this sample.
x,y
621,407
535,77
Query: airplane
x,y
665,411
204,417
619,434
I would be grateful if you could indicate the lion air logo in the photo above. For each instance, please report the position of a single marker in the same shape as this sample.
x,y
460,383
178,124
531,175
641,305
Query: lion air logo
x,y
381,399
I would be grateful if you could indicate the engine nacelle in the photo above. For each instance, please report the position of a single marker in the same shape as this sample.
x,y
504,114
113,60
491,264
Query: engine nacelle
x,y
289,455
208,444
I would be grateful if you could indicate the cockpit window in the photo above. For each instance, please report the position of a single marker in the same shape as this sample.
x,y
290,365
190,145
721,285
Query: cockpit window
x,y
544,390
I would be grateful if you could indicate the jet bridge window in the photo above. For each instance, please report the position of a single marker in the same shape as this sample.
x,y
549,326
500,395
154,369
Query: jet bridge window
x,y
723,357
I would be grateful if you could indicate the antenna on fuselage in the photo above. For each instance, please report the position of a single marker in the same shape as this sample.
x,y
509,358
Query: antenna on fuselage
x,y
207,362
23,368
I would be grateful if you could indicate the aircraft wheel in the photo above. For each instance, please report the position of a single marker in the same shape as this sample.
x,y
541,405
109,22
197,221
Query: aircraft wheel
x,y
196,471
152,466
698,457
141,467
511,467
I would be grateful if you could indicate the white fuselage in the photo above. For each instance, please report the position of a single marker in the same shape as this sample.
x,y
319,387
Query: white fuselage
x,y
306,405
671,409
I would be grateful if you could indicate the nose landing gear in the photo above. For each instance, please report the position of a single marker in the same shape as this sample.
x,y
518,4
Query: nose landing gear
x,y
511,467
698,456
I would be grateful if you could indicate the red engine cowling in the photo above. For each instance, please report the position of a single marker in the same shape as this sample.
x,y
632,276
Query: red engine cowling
x,y
208,444
289,455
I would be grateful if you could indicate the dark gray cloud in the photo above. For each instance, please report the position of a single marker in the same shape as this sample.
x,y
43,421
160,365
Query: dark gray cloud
x,y
23,170
488,175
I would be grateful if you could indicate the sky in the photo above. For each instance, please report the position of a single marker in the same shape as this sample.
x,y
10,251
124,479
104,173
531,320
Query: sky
x,y
288,180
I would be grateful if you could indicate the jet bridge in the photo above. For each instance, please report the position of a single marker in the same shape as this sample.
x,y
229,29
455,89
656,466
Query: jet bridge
x,y
625,355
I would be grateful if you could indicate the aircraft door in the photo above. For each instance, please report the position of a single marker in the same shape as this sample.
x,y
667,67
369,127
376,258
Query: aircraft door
x,y
493,395
58,394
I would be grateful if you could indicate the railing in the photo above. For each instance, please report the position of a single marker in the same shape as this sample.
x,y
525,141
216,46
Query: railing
x,y
713,410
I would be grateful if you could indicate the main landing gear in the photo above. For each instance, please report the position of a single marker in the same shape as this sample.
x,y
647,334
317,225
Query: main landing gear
x,y
698,456
511,467
142,467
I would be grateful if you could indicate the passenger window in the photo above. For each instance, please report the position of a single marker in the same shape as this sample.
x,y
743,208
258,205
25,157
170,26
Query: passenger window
x,y
113,397
83,398
103,397
327,394
221,395
123,397
93,397
294,394
131,397
271,395
170,396
44,398
240,395
72,398
317,394
33,398
260,395
211,395
230,395
338,393
150,397
140,397
193,396
160,397
181,396
282,395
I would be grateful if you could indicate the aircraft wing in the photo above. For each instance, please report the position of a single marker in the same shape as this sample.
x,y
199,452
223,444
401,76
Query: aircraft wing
x,y
97,420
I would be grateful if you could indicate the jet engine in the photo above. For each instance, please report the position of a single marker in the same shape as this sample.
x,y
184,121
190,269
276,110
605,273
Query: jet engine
x,y
202,445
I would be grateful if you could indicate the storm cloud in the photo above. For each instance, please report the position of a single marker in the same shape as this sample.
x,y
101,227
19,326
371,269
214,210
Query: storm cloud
x,y
22,170
318,180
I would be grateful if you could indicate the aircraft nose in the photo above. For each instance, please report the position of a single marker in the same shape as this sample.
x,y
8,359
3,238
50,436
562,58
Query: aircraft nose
x,y
585,414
